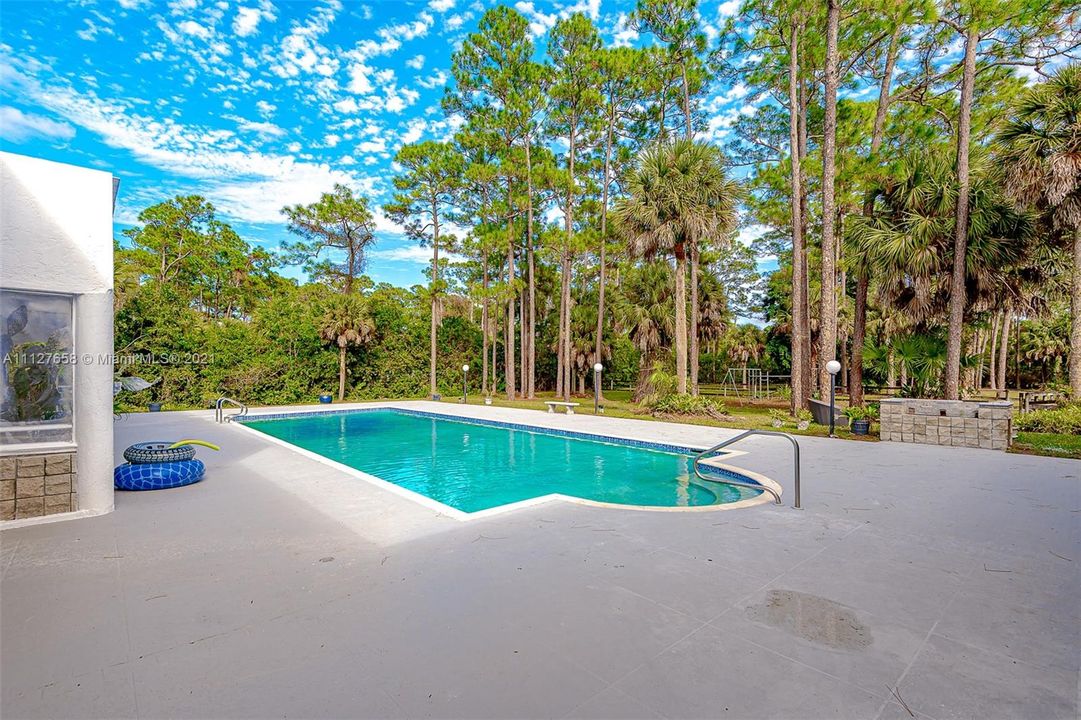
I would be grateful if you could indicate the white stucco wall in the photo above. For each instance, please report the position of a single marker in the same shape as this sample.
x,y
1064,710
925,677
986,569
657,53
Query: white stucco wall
x,y
56,235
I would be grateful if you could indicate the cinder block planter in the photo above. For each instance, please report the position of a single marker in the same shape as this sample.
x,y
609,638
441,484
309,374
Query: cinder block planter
x,y
957,423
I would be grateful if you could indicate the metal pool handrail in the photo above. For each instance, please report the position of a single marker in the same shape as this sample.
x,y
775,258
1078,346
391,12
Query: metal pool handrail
x,y
219,410
732,441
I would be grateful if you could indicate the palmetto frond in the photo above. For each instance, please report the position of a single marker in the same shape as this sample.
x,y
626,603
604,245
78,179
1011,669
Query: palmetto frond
x,y
346,322
1040,148
678,194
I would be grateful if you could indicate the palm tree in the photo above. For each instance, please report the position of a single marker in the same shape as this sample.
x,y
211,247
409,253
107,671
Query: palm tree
x,y
1041,152
346,322
643,310
678,197
746,344
907,243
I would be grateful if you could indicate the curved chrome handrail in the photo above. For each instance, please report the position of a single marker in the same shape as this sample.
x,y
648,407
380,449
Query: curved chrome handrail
x,y
219,410
733,440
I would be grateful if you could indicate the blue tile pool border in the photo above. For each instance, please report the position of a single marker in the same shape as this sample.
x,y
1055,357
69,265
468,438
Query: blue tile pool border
x,y
573,434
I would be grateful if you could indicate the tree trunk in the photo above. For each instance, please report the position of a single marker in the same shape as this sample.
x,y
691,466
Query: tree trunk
x,y
341,373
688,125
805,215
495,355
484,325
508,347
1075,318
604,242
681,321
863,281
568,226
958,298
523,351
799,330
1003,349
827,311
992,372
529,378
693,331
859,334
568,378
435,299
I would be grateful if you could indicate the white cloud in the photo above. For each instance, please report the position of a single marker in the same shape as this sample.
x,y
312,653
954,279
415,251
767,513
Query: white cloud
x,y
377,145
728,9
414,131
436,79
265,108
441,6
359,79
539,23
416,62
750,233
133,4
182,7
190,27
300,52
455,21
410,31
247,19
589,8
623,35
244,182
16,126
406,253
90,32
265,129
348,105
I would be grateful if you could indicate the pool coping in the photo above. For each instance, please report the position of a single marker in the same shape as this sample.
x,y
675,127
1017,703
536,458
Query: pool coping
x,y
461,515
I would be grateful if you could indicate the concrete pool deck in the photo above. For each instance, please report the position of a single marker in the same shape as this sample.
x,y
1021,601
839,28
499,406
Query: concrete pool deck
x,y
946,580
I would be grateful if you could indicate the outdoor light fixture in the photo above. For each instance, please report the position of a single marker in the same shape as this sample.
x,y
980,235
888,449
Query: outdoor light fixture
x,y
465,374
833,367
597,387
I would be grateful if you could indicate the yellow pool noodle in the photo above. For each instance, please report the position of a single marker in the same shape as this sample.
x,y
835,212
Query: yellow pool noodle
x,y
204,443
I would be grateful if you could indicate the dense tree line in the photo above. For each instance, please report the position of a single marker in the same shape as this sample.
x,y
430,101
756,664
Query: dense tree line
x,y
916,231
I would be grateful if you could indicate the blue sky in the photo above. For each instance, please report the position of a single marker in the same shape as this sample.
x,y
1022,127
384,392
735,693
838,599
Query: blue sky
x,y
257,104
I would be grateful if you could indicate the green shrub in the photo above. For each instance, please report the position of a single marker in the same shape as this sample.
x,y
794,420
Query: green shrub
x,y
1065,420
779,418
673,404
861,412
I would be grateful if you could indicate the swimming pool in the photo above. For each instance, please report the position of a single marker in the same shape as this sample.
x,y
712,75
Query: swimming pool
x,y
473,466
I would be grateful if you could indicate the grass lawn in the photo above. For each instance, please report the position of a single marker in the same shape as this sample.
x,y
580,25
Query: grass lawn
x,y
1029,443
617,403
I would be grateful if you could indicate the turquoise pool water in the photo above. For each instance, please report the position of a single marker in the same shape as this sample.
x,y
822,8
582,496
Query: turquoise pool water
x,y
473,467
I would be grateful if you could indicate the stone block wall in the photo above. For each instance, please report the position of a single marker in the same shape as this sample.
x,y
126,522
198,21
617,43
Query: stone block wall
x,y
986,425
37,485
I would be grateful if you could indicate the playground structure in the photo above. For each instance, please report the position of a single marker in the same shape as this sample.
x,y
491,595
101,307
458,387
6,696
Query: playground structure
x,y
749,383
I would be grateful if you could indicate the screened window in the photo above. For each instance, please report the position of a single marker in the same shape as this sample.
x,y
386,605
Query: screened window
x,y
37,351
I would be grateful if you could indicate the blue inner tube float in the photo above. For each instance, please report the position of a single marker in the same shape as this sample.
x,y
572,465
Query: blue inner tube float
x,y
159,465
158,476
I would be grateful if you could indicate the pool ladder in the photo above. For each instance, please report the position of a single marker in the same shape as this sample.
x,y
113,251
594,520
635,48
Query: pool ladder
x,y
219,409
732,441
